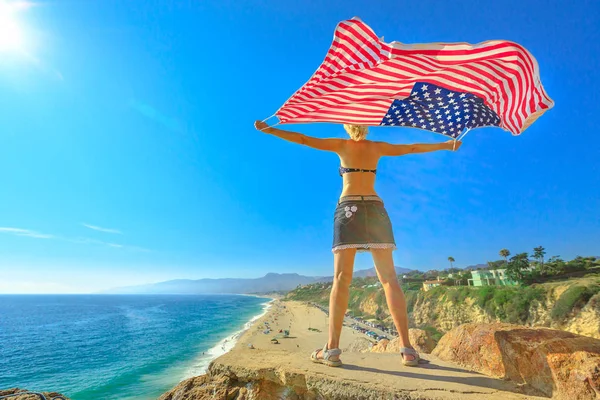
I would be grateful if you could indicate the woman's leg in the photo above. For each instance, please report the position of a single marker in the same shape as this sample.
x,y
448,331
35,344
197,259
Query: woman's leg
x,y
343,263
384,265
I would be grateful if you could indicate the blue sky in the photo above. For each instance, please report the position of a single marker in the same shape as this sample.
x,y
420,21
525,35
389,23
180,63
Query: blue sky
x,y
128,154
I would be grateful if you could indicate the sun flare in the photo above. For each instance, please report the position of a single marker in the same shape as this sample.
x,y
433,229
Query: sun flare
x,y
11,33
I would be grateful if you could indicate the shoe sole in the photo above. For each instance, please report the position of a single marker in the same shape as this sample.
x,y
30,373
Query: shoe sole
x,y
328,363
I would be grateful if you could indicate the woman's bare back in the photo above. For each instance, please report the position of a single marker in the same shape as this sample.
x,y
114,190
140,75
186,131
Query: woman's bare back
x,y
362,154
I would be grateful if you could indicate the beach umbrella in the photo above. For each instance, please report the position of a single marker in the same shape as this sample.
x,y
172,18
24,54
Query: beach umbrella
x,y
446,88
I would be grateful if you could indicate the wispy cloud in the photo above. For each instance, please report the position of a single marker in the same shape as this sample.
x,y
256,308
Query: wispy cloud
x,y
25,232
152,113
83,240
79,240
100,229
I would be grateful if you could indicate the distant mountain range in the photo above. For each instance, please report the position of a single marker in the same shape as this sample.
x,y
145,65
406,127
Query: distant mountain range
x,y
363,273
472,267
271,282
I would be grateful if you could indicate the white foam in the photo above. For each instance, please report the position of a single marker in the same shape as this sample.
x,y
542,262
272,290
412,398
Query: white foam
x,y
201,364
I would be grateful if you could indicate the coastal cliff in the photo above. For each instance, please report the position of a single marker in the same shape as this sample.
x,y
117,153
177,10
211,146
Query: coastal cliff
x,y
572,306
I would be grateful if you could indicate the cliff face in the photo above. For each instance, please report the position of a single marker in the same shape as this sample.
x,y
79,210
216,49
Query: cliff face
x,y
446,315
368,305
583,320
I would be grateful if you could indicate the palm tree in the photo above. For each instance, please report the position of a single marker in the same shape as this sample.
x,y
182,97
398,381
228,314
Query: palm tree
x,y
538,254
505,253
451,259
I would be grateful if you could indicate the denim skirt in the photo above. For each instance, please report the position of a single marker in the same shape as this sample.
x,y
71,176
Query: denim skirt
x,y
362,223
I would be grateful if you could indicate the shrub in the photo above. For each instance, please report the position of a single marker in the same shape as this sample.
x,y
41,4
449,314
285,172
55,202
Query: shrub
x,y
458,295
411,297
380,299
573,297
484,295
435,334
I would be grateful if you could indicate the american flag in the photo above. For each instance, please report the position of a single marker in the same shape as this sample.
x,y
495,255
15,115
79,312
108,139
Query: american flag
x,y
440,87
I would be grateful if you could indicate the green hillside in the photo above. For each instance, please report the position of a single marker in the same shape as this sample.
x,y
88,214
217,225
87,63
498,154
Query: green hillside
x,y
513,304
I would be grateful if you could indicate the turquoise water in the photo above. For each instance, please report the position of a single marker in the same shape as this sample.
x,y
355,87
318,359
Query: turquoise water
x,y
121,347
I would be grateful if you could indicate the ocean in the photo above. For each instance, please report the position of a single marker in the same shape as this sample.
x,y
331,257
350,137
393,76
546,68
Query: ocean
x,y
121,347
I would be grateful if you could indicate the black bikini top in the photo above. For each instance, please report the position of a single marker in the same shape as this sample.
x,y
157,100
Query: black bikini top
x,y
344,170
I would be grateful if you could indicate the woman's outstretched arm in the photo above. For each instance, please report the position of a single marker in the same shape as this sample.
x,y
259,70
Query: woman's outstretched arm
x,y
388,149
315,143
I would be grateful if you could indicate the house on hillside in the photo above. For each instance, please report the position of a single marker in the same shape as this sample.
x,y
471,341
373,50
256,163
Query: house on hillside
x,y
495,277
431,284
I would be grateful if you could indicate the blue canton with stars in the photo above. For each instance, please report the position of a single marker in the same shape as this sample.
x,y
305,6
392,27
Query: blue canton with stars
x,y
440,110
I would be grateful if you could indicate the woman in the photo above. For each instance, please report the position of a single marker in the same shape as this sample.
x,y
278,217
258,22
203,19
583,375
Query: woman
x,y
361,223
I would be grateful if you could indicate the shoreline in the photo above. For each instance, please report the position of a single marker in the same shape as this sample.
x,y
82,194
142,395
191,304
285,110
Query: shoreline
x,y
202,361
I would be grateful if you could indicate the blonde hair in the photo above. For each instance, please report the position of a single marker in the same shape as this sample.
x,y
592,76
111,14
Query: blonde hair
x,y
356,132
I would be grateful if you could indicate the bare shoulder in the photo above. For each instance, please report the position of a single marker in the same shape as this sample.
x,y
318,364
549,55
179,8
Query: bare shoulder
x,y
333,144
390,149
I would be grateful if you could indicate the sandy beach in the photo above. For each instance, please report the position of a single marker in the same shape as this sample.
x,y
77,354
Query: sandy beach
x,y
297,318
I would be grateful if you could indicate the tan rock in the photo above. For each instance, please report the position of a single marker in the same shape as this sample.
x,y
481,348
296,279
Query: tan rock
x,y
380,347
420,339
25,396
359,345
219,387
557,363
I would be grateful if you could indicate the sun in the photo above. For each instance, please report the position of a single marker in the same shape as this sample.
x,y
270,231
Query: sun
x,y
11,34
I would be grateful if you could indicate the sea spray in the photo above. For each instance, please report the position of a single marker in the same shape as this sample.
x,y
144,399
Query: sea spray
x,y
201,364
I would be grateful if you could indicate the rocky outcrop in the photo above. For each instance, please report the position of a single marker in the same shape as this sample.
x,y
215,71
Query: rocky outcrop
x,y
245,374
420,339
557,363
22,394
359,345
208,387
382,346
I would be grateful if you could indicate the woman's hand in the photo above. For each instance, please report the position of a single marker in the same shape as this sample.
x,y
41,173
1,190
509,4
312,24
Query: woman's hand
x,y
261,126
453,144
